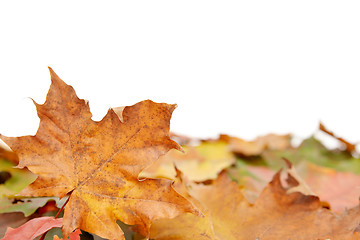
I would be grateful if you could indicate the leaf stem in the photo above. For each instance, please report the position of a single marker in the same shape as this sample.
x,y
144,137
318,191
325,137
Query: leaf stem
x,y
67,200
57,215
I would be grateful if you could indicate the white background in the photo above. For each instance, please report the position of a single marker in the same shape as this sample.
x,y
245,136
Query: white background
x,y
244,68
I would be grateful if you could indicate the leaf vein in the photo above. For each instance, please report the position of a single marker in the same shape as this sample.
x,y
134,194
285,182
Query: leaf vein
x,y
108,160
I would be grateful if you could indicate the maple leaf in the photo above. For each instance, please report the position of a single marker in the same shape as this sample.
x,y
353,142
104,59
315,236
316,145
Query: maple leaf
x,y
198,163
33,228
98,163
275,215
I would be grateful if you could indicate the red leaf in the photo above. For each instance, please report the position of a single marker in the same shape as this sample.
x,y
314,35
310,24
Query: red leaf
x,y
33,228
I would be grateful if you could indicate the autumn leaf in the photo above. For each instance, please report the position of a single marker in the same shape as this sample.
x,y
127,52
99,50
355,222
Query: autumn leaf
x,y
33,228
185,226
25,205
340,189
259,145
162,168
295,182
205,161
18,179
199,163
98,163
312,150
275,215
13,220
251,179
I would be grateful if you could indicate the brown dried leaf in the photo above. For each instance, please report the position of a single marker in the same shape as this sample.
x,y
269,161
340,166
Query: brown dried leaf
x,y
296,183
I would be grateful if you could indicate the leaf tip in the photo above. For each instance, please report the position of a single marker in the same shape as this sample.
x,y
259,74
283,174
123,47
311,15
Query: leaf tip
x,y
51,71
287,162
172,107
119,113
276,179
53,75
3,143
178,147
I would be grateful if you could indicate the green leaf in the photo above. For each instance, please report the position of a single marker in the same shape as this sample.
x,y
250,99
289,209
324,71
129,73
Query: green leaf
x,y
312,150
25,205
20,178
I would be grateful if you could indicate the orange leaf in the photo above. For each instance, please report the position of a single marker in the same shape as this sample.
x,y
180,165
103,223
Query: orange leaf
x,y
275,215
33,228
98,163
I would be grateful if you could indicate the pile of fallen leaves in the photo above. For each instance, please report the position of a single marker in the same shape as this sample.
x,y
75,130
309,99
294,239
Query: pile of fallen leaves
x,y
126,177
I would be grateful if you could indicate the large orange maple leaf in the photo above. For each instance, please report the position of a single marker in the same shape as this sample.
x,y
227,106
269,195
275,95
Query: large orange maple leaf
x,y
98,163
